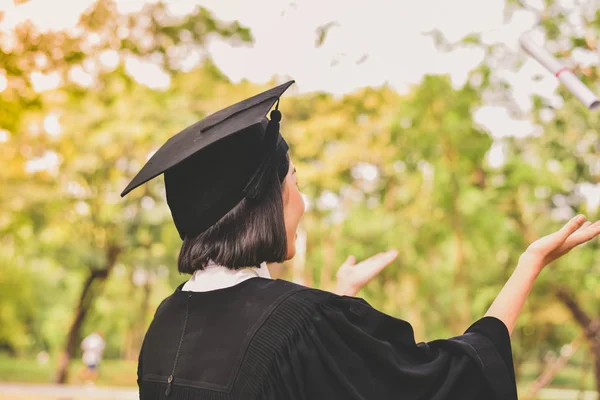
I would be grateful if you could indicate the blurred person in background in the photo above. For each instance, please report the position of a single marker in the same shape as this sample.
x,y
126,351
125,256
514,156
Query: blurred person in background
x,y
92,347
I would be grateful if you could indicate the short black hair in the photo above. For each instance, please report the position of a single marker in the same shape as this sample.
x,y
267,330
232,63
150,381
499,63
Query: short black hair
x,y
251,233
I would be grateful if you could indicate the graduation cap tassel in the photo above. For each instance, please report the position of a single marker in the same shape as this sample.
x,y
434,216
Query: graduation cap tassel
x,y
255,187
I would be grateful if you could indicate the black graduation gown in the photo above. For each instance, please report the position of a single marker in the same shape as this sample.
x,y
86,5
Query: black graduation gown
x,y
272,339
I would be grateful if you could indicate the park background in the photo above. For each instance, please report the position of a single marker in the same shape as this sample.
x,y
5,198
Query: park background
x,y
415,125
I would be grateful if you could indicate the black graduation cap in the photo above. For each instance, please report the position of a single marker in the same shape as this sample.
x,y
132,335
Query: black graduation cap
x,y
213,164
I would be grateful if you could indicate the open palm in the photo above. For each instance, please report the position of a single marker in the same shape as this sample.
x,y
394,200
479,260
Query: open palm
x,y
572,234
352,277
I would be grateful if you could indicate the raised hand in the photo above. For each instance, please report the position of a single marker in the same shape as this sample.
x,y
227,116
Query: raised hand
x,y
508,304
548,248
352,277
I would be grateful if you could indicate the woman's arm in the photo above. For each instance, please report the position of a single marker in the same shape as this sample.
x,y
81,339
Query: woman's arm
x,y
508,304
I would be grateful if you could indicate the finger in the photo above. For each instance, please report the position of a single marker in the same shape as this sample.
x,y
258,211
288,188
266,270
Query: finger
x,y
391,255
588,226
570,227
376,258
382,260
585,225
385,256
584,235
581,236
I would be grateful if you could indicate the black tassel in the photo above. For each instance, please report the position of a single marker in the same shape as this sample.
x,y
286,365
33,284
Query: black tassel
x,y
255,187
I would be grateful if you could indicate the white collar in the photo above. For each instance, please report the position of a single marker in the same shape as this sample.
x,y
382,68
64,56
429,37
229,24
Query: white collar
x,y
214,277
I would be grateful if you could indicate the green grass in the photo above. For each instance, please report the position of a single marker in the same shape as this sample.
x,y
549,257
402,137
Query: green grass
x,y
123,373
111,372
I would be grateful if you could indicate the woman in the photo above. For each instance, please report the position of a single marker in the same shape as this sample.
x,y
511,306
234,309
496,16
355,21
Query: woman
x,y
231,332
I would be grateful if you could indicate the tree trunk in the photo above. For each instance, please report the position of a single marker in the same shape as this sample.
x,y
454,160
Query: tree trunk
x,y
591,328
73,335
552,368
89,293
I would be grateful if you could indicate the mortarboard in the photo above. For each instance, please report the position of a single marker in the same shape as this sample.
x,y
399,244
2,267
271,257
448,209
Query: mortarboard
x,y
215,163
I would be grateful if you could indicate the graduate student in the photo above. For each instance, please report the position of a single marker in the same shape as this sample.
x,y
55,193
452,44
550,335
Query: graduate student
x,y
232,332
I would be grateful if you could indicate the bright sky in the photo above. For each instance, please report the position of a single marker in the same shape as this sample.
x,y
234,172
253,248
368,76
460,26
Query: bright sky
x,y
388,32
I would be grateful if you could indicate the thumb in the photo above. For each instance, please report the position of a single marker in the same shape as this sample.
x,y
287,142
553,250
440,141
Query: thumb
x,y
351,260
391,255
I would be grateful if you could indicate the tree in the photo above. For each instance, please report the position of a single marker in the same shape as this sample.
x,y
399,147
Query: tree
x,y
103,139
552,174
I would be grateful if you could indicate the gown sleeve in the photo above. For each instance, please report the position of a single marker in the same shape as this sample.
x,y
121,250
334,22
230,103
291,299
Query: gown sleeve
x,y
348,350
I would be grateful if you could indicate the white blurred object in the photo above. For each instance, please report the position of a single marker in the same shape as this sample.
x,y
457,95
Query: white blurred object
x,y
43,357
92,346
564,75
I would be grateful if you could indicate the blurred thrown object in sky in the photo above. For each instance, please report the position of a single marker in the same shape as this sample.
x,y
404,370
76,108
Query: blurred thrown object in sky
x,y
564,75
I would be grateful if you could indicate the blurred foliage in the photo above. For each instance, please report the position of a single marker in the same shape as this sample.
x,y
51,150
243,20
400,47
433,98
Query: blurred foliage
x,y
380,170
552,174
